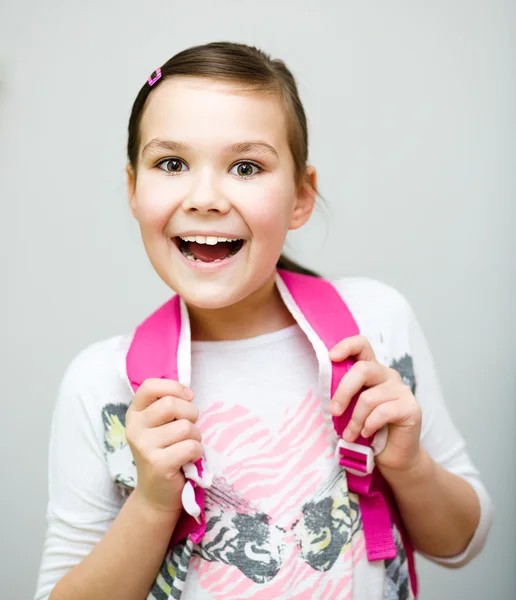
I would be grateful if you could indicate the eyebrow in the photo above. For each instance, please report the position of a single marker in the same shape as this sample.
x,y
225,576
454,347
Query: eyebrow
x,y
258,146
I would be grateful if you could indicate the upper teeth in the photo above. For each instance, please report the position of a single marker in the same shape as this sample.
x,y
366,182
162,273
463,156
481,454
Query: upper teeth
x,y
211,240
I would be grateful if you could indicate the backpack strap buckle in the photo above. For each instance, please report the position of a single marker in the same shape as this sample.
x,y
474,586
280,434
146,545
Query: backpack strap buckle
x,y
355,458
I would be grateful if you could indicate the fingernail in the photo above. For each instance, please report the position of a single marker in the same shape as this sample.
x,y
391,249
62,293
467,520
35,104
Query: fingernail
x,y
188,393
347,435
334,407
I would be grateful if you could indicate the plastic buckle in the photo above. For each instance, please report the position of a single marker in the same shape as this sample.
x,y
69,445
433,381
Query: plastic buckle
x,y
361,465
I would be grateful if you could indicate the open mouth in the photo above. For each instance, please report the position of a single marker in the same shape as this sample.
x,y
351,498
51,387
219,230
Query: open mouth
x,y
208,248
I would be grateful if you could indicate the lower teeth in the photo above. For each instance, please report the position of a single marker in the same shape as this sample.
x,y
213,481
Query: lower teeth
x,y
190,256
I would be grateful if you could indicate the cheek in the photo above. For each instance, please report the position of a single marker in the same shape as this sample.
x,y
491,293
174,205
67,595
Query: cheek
x,y
153,208
270,212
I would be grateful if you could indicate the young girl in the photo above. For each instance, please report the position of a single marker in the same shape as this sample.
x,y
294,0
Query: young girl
x,y
217,176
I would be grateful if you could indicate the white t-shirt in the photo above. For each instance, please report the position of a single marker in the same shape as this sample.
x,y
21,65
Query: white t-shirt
x,y
281,523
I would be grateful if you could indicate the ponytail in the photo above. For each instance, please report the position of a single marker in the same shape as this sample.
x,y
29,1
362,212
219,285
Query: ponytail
x,y
289,265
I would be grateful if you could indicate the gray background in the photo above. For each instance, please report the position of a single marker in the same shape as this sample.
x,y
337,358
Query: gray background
x,y
411,109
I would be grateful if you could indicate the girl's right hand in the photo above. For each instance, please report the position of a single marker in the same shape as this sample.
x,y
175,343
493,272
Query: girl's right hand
x,y
162,435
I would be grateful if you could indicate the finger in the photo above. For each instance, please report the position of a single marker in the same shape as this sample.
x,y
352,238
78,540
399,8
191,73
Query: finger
x,y
181,453
388,412
173,433
152,389
368,400
362,374
167,409
357,347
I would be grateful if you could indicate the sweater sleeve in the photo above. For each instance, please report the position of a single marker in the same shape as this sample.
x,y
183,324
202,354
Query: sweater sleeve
x,y
83,500
441,439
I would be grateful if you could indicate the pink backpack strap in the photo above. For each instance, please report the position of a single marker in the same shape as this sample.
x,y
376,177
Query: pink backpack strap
x,y
153,353
332,321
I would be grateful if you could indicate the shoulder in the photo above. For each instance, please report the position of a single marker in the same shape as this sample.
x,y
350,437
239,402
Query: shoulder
x,y
103,358
97,374
382,314
372,299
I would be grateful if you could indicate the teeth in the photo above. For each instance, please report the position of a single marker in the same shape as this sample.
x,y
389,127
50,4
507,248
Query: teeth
x,y
190,256
211,240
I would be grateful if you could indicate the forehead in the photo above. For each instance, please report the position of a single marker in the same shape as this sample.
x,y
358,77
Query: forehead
x,y
206,112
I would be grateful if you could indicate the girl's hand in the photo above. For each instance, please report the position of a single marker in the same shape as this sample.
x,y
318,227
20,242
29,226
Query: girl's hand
x,y
162,435
386,401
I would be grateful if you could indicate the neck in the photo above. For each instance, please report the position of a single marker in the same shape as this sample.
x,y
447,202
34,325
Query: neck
x,y
262,312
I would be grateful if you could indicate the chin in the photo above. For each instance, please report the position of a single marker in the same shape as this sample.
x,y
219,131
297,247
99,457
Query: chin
x,y
223,292
212,297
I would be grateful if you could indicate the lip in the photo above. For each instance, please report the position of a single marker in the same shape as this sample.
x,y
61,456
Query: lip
x,y
198,265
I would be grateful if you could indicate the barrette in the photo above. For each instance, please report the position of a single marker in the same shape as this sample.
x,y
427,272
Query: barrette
x,y
158,76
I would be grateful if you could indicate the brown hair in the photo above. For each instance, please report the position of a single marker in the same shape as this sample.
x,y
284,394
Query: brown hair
x,y
252,70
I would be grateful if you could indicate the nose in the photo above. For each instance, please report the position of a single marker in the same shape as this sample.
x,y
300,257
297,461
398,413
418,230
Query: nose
x,y
205,197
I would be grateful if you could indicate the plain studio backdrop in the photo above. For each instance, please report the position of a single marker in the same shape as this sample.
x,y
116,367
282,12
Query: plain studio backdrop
x,y
411,109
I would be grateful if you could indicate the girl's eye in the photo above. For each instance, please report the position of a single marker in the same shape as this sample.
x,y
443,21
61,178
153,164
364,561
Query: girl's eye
x,y
171,165
245,169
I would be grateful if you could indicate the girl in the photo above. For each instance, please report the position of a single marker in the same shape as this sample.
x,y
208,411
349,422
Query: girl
x,y
217,176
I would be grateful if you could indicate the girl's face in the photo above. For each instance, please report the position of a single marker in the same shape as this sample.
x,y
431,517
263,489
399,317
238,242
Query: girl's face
x,y
214,164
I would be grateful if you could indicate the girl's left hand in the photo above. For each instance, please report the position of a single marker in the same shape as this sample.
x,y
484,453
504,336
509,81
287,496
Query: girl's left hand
x,y
385,401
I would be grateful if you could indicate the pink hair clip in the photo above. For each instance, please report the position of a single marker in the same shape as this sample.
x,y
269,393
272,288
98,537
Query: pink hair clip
x,y
158,76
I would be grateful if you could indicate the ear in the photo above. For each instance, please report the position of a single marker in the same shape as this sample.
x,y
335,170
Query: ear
x,y
131,191
305,199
